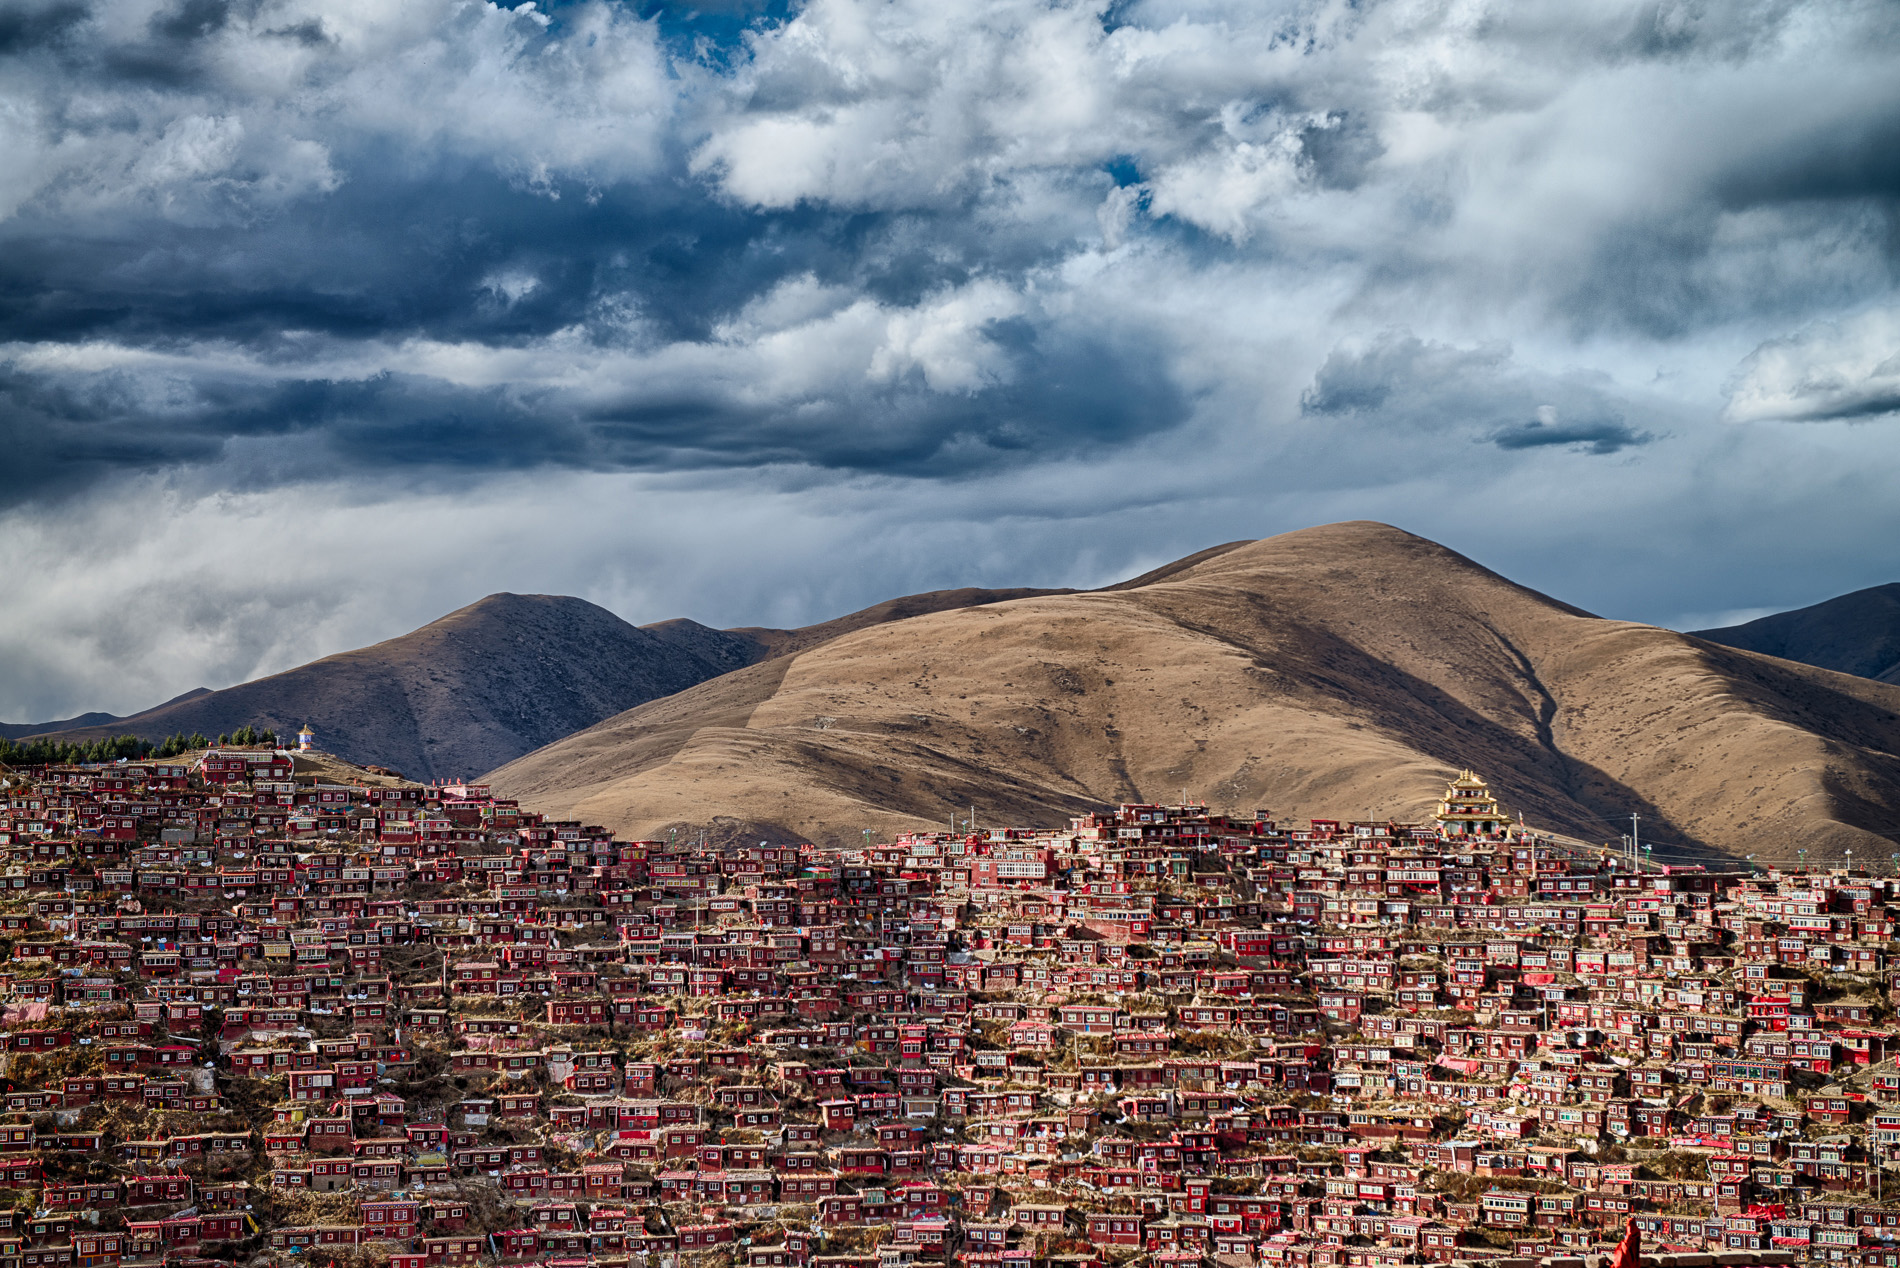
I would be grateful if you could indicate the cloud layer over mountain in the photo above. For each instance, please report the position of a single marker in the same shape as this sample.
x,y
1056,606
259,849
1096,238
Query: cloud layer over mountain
x,y
321,317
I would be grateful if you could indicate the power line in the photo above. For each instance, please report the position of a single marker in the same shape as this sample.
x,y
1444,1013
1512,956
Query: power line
x,y
1703,851
1619,819
1892,827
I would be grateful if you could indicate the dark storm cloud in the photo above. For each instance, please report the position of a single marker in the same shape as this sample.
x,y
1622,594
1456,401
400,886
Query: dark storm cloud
x,y
397,250
407,253
1882,403
1598,436
387,244
1053,397
27,26
60,436
297,238
1401,383
1057,401
1861,160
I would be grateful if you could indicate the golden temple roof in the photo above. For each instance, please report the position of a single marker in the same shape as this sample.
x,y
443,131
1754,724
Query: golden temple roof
x,y
1468,799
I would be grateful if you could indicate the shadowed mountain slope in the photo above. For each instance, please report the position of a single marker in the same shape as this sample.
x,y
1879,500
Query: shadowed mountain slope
x,y
1856,633
99,722
16,730
1342,671
485,684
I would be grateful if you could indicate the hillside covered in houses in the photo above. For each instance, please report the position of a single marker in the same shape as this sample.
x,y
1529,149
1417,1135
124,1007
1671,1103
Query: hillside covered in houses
x,y
266,1010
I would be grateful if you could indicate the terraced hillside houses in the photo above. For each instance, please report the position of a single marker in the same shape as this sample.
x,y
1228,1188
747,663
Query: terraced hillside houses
x,y
259,1015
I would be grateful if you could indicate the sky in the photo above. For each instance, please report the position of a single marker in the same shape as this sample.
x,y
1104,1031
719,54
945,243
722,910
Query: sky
x,y
322,318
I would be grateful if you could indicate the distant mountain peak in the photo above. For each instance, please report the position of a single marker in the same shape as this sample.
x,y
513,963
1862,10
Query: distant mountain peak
x,y
486,683
1856,633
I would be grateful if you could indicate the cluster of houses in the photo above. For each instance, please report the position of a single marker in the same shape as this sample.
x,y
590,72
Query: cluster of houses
x,y
471,1035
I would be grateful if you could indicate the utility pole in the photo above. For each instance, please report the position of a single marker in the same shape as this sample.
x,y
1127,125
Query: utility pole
x,y
1634,855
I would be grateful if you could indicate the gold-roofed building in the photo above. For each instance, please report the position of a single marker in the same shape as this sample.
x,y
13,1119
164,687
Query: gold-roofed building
x,y
1469,809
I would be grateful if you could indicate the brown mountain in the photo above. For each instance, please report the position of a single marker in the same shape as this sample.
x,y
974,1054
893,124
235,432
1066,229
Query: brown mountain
x,y
1856,633
1342,671
92,723
18,730
479,687
485,684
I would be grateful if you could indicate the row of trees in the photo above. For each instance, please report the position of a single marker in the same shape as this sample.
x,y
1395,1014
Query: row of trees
x,y
44,751
40,751
243,737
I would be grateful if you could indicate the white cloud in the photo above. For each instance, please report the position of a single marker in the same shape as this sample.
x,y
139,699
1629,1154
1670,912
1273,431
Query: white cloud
x,y
943,340
1844,369
838,249
511,286
1223,191
908,104
263,100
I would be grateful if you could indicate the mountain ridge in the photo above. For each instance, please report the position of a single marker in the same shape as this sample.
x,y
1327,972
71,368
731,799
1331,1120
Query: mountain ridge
x,y
482,684
463,694
1335,672
1855,633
